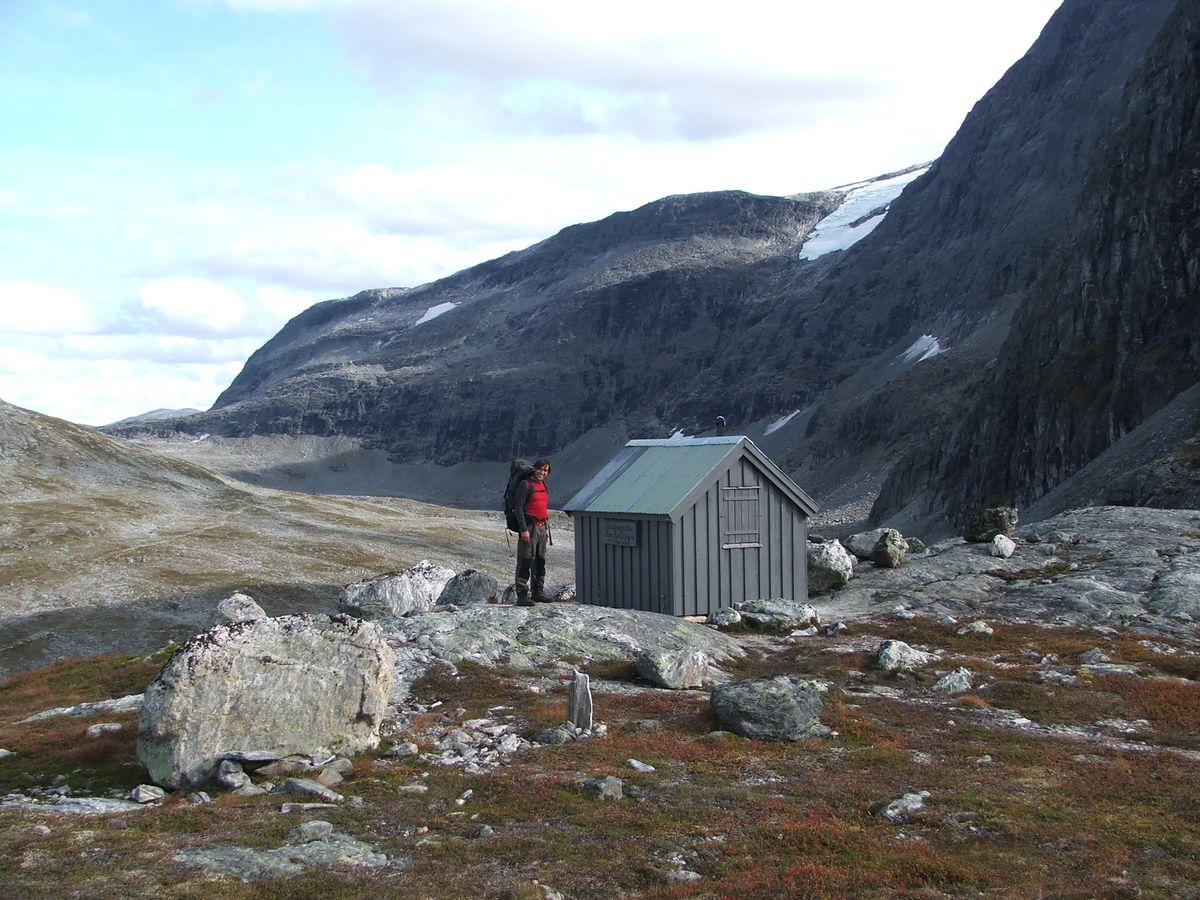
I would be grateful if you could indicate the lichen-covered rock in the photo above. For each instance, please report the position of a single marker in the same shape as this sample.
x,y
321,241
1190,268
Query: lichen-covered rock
x,y
274,686
783,708
987,523
526,637
672,669
724,617
829,566
397,593
897,656
469,588
239,607
954,682
889,551
776,613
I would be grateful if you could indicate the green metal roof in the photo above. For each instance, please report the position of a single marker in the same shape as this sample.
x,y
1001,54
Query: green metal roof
x,y
655,478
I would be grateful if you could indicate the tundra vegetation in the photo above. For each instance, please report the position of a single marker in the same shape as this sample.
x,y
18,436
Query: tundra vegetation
x,y
1081,786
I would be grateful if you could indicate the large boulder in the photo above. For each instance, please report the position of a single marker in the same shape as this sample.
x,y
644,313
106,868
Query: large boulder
x,y
674,669
829,566
396,594
777,613
987,523
862,545
783,708
469,588
889,550
271,688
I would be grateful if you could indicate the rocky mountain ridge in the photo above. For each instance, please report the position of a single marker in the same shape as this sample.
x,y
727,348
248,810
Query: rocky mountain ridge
x,y
660,319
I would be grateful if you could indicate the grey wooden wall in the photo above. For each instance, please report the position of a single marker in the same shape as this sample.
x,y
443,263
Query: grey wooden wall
x,y
624,577
715,562
706,559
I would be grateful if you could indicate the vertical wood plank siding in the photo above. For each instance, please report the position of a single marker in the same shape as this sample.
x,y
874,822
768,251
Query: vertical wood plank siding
x,y
623,577
682,568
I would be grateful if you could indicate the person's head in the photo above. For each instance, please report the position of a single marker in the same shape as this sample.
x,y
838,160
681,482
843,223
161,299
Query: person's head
x,y
541,468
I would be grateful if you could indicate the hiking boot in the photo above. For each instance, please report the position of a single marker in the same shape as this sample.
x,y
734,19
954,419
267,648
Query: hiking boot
x,y
523,598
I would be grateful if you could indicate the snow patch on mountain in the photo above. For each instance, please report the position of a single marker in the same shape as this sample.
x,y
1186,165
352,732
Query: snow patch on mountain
x,y
433,312
922,348
863,209
779,423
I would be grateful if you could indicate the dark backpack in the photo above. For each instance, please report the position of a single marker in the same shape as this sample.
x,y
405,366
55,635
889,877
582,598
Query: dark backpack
x,y
517,472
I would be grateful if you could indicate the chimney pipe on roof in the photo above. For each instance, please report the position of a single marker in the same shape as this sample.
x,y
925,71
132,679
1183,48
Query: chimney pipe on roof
x,y
720,426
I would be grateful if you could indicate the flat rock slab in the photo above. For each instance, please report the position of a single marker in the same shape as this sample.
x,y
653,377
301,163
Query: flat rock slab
x,y
282,686
526,637
1112,565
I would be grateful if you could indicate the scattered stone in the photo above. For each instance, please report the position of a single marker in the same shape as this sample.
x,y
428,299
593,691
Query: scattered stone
x,y
396,594
239,607
285,685
78,806
889,550
639,766
231,775
985,760
198,798
579,702
835,629
469,588
1089,671
915,545
407,748
147,793
988,523
5,754
102,728
977,627
783,708
414,788
673,669
897,656
308,787
127,704
1003,546
724,617
606,788
829,567
1094,656
329,776
313,830
554,736
562,594
485,831
898,811
646,724
810,631
903,612
955,682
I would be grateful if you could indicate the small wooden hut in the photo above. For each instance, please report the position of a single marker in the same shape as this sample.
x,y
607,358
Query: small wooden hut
x,y
687,526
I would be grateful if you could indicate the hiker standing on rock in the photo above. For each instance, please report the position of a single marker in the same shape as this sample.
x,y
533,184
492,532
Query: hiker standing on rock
x,y
532,508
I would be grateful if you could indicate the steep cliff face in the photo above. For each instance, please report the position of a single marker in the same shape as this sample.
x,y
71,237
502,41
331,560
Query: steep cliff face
x,y
1108,334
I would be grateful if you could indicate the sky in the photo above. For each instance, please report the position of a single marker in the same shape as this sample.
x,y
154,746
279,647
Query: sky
x,y
179,178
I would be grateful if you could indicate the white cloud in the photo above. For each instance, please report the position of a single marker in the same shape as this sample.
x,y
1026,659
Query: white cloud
x,y
28,307
193,306
695,70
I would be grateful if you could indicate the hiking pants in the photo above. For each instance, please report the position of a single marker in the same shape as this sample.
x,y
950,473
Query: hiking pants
x,y
531,562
